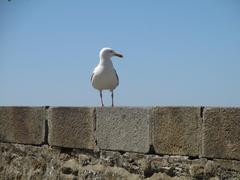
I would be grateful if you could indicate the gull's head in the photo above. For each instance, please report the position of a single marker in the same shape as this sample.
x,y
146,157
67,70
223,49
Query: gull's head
x,y
108,53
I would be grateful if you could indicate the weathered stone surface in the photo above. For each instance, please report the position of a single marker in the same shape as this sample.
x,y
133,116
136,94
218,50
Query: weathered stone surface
x,y
125,129
102,172
197,171
28,162
176,130
45,162
163,176
71,167
221,133
22,124
71,127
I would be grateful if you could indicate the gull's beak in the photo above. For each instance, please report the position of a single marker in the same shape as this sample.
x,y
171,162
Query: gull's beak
x,y
118,54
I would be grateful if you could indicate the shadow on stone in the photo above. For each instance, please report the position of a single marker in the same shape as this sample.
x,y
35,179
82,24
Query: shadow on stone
x,y
151,149
66,150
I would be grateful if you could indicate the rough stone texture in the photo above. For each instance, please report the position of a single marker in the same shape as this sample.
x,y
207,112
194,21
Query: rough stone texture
x,y
55,163
125,129
221,133
22,124
28,162
176,130
71,127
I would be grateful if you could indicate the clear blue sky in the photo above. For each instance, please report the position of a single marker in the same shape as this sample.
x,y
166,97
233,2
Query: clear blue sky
x,y
176,52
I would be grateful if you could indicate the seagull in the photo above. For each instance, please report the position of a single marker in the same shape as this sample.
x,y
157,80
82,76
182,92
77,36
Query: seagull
x,y
104,76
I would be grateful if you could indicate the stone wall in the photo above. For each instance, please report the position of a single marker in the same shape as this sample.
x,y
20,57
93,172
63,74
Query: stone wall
x,y
119,143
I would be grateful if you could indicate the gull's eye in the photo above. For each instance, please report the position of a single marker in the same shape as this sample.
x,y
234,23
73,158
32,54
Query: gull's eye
x,y
111,51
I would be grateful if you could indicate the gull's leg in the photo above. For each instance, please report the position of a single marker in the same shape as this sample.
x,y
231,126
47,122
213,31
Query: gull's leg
x,y
101,98
112,99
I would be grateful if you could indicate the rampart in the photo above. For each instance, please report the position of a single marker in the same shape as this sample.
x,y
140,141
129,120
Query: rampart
x,y
119,143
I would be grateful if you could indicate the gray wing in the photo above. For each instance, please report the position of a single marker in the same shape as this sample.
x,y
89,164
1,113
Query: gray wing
x,y
92,76
117,77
